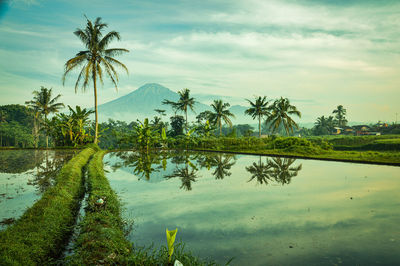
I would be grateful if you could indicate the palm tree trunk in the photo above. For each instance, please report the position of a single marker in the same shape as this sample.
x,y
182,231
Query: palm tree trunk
x,y
47,135
259,126
35,131
220,127
95,107
186,121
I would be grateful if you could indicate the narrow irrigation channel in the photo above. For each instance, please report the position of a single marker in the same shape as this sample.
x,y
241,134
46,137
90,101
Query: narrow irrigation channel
x,y
101,238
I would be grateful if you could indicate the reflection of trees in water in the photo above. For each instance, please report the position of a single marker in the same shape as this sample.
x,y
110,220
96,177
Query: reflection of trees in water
x,y
142,163
46,172
222,165
280,170
221,162
186,175
19,161
259,172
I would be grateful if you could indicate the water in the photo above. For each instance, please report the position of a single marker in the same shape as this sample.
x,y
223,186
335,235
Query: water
x,y
24,176
261,210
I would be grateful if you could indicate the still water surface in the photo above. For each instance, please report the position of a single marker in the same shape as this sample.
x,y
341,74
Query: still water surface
x,y
262,210
24,176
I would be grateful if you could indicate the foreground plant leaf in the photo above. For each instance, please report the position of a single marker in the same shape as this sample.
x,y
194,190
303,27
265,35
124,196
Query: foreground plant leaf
x,y
170,241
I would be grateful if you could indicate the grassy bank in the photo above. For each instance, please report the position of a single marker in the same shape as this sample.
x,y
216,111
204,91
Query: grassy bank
x,y
40,234
101,239
313,148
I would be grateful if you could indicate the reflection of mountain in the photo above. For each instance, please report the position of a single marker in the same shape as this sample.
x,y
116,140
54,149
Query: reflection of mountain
x,y
275,169
19,161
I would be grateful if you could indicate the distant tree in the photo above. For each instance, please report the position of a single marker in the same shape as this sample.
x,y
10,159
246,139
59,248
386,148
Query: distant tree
x,y
96,61
340,116
220,112
324,125
244,130
3,117
281,110
35,110
177,123
258,109
44,104
184,102
203,116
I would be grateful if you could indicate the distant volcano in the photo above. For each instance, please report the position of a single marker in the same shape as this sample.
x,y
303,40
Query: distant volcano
x,y
141,103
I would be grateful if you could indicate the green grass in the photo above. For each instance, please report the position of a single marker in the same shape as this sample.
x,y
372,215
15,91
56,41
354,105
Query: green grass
x,y
38,237
101,239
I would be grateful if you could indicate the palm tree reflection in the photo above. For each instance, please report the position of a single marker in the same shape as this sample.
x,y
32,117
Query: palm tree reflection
x,y
222,165
276,169
186,175
282,169
260,172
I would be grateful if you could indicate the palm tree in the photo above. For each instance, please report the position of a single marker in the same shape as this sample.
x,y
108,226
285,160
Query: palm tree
x,y
340,115
258,109
96,60
220,113
183,103
324,125
280,111
44,104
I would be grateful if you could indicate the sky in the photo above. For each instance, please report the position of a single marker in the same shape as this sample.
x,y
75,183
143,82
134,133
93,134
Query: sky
x,y
319,54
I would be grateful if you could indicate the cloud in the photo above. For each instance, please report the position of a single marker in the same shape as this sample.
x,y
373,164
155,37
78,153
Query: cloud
x,y
293,49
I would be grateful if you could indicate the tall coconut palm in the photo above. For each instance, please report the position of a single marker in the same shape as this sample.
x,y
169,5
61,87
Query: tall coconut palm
x,y
281,110
259,109
44,104
220,112
96,61
183,103
340,112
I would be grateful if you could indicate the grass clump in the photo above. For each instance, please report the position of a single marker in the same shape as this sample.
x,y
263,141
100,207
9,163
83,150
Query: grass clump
x,y
39,236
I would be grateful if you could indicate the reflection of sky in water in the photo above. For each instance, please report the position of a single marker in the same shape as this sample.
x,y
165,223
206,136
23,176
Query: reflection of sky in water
x,y
19,190
330,213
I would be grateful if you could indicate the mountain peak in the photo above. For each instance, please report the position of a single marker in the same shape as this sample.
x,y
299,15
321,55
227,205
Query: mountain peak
x,y
153,88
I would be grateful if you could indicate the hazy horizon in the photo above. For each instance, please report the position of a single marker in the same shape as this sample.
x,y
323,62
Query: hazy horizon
x,y
319,54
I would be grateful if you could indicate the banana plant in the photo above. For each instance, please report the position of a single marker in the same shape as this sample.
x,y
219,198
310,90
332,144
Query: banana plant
x,y
146,135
